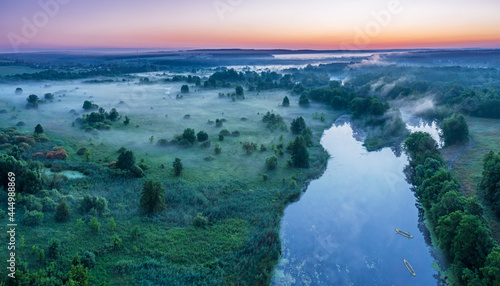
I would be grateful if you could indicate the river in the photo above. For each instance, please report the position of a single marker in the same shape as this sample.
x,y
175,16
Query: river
x,y
342,230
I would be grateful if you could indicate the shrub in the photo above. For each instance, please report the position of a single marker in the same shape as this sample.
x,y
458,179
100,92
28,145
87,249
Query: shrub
x,y
112,224
88,259
200,221
286,102
162,142
272,162
117,241
54,249
38,129
57,153
202,136
134,233
177,167
152,197
48,204
303,100
189,136
185,89
94,225
32,218
224,132
217,148
62,212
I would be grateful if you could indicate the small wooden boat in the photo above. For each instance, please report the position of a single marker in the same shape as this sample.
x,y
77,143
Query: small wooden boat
x,y
408,266
404,233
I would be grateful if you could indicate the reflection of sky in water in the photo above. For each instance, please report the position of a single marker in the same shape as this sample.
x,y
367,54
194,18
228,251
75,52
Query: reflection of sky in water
x,y
342,231
432,128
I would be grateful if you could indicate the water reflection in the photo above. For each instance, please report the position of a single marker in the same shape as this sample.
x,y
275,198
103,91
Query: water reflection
x,y
342,231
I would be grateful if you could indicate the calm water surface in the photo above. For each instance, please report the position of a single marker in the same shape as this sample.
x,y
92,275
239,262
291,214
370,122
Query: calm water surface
x,y
342,230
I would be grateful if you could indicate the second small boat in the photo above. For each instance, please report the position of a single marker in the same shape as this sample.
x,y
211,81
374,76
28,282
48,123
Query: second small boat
x,y
404,233
408,266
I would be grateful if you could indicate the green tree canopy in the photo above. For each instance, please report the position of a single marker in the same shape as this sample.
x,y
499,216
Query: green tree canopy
x,y
177,167
286,101
454,130
300,155
38,129
152,197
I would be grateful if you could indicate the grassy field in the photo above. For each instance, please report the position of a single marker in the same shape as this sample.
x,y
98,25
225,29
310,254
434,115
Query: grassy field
x,y
469,166
241,239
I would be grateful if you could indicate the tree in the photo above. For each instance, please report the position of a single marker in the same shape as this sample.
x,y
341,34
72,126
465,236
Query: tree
x,y
88,105
300,155
286,102
303,100
94,225
127,120
78,276
239,91
32,100
19,90
54,249
177,167
112,224
298,125
189,135
62,212
152,197
113,114
271,162
472,243
185,89
38,129
202,136
491,270
217,148
126,160
454,130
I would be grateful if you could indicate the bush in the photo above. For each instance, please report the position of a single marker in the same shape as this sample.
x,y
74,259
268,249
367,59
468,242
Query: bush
x,y
286,102
200,221
224,132
54,249
202,136
217,148
48,204
272,162
38,129
303,100
152,197
189,136
177,167
112,224
62,212
88,259
32,218
94,225
117,242
185,89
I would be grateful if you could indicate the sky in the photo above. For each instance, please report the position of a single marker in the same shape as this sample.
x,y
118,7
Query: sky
x,y
256,24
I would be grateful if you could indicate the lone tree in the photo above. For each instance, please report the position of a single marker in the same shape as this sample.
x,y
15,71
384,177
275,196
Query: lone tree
x,y
300,155
455,130
286,102
38,129
177,167
303,100
127,120
298,125
62,212
87,105
185,89
202,136
32,101
239,91
152,197
126,160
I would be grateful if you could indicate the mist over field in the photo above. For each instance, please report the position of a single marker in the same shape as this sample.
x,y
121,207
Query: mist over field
x,y
217,166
